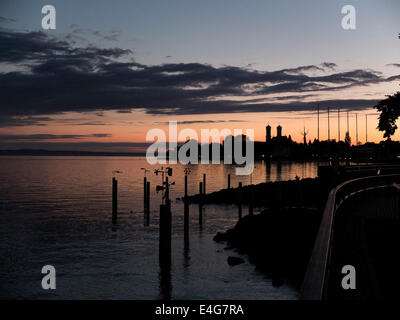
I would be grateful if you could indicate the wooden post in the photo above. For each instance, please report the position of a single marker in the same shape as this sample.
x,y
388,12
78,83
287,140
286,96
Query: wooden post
x,y
114,200
229,181
251,200
148,203
186,186
200,203
165,235
144,198
204,183
186,213
167,192
240,195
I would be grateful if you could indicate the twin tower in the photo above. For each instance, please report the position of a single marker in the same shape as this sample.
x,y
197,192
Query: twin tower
x,y
278,133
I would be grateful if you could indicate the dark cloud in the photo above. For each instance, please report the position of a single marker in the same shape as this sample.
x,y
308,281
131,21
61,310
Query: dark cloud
x,y
302,69
229,106
48,56
100,135
329,65
294,97
80,35
91,123
111,36
250,65
77,146
322,67
40,137
63,78
198,121
19,121
6,20
394,65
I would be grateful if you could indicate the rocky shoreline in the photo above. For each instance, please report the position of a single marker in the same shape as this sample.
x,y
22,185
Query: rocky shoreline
x,y
310,192
278,241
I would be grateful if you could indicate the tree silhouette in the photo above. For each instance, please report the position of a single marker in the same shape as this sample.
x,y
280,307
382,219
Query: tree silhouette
x,y
390,111
347,139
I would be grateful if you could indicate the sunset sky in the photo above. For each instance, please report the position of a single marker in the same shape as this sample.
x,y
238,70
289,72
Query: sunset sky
x,y
112,70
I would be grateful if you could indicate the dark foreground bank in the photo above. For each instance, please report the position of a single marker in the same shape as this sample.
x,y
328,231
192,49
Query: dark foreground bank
x,y
309,192
279,239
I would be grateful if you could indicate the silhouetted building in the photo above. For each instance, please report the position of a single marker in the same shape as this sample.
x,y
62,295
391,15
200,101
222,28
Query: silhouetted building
x,y
268,136
279,132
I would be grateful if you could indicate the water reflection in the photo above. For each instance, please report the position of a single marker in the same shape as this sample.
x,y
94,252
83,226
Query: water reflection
x,y
43,222
268,171
186,254
165,281
278,171
165,271
186,243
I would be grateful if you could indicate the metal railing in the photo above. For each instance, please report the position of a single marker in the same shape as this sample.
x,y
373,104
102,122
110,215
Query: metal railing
x,y
372,168
315,281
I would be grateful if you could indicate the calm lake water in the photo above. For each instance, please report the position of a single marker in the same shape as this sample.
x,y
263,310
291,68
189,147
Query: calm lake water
x,y
57,211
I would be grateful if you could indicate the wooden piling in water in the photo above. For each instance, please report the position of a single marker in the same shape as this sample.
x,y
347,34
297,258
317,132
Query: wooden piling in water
x,y
200,203
148,203
229,181
114,200
204,183
186,213
167,202
240,197
144,198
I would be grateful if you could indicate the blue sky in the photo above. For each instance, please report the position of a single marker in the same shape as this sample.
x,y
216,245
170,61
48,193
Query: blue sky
x,y
266,34
229,63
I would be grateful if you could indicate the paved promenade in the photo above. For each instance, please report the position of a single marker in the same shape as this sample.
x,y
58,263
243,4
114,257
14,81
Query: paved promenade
x,y
366,234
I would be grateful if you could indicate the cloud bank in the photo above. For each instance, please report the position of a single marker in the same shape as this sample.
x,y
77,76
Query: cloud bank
x,y
41,75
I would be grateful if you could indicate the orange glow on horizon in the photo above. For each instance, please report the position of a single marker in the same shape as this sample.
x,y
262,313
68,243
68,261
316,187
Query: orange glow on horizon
x,y
132,128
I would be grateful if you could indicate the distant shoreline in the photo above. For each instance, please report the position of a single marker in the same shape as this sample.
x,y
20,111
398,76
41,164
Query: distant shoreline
x,y
28,152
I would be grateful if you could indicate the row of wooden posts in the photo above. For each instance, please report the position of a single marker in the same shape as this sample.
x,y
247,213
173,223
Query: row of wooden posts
x,y
165,212
202,191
